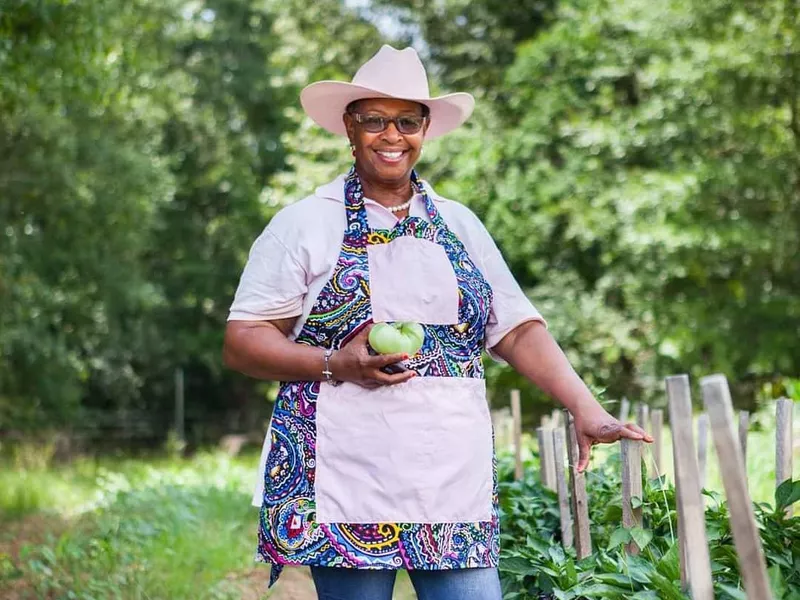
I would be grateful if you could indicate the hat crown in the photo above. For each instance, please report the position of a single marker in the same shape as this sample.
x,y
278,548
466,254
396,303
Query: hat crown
x,y
394,73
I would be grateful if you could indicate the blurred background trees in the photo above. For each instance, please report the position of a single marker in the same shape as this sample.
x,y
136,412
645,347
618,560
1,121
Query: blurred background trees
x,y
637,164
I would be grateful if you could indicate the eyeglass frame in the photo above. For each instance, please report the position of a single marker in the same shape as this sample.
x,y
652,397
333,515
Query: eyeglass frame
x,y
386,120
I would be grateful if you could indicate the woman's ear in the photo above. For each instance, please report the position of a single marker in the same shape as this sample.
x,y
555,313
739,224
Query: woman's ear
x,y
349,126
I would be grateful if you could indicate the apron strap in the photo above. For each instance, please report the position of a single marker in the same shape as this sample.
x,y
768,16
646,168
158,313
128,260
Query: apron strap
x,y
357,224
355,235
433,212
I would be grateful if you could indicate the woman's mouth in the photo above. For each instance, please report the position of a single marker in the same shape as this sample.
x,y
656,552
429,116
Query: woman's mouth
x,y
392,157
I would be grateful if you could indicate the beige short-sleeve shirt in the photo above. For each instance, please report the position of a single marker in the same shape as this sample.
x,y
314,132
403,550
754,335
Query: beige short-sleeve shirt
x,y
294,257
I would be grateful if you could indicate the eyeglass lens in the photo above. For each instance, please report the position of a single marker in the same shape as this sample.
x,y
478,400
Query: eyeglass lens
x,y
405,124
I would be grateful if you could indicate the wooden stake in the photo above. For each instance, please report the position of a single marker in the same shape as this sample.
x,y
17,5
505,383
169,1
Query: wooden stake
x,y
631,487
560,451
695,561
516,415
657,425
717,400
547,464
643,415
624,410
555,419
783,443
580,505
744,426
702,448
540,431
180,419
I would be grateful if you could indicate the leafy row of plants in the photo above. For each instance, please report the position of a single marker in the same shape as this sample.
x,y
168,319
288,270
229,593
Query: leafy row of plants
x,y
535,566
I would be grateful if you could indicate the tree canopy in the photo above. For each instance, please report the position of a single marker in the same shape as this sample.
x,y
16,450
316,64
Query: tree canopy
x,y
637,164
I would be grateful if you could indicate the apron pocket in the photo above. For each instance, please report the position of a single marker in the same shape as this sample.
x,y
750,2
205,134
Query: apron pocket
x,y
412,280
417,452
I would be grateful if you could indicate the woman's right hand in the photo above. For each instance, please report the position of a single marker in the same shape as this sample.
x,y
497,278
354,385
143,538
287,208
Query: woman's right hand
x,y
355,364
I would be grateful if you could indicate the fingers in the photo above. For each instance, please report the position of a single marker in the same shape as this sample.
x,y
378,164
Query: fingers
x,y
381,379
632,431
384,360
395,378
584,451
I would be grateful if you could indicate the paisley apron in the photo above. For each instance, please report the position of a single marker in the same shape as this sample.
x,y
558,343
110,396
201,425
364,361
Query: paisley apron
x,y
400,476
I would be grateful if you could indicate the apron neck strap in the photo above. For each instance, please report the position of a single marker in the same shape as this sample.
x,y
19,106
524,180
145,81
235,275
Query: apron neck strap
x,y
357,224
433,212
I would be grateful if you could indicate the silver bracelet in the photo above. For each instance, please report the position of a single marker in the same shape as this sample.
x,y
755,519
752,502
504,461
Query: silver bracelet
x,y
327,372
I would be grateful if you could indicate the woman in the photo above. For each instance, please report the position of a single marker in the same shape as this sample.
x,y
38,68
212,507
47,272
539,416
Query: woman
x,y
371,468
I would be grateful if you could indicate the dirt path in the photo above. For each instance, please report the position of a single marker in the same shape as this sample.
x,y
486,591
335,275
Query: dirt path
x,y
294,584
14,536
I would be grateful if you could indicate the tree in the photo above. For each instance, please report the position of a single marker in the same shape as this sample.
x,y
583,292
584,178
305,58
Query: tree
x,y
643,185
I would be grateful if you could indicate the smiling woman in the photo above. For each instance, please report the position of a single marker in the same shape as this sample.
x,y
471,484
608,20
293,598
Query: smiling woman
x,y
372,466
386,137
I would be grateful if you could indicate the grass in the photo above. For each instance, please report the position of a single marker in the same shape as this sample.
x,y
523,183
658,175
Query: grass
x,y
124,528
161,528
173,528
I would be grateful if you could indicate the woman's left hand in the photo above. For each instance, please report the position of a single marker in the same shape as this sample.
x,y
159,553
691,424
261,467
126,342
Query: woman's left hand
x,y
599,427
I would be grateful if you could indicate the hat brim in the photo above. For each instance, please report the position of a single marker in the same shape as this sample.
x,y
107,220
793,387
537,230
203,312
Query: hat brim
x,y
326,101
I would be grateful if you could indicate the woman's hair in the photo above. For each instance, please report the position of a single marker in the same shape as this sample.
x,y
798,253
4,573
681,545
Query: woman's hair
x,y
353,106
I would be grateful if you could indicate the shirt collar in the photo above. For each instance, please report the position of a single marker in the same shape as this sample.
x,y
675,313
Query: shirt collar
x,y
334,190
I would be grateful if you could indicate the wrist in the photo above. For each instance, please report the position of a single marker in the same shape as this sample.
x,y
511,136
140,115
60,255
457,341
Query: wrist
x,y
586,407
327,369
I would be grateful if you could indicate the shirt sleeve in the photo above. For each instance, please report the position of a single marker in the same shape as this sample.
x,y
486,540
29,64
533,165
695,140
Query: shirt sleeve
x,y
273,284
510,306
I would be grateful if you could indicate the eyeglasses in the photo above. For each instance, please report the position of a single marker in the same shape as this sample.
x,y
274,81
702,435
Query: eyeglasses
x,y
406,124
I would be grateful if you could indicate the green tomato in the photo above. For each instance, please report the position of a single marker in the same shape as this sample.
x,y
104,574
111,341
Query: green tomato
x,y
394,338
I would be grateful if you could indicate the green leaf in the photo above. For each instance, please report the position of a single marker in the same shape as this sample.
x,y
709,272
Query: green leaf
x,y
517,566
732,592
620,537
787,493
636,502
777,581
642,537
557,554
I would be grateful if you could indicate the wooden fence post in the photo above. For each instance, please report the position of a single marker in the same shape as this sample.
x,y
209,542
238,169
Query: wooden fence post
x,y
631,487
657,424
702,448
717,400
180,420
580,506
695,561
555,419
783,443
624,410
744,426
643,416
547,464
516,415
560,450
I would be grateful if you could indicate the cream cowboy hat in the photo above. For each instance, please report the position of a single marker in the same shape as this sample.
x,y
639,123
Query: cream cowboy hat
x,y
390,73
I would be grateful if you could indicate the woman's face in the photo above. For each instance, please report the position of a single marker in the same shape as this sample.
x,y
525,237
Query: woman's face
x,y
389,155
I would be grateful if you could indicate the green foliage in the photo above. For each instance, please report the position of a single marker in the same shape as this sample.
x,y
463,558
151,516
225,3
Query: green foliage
x,y
139,143
533,564
636,163
638,166
157,528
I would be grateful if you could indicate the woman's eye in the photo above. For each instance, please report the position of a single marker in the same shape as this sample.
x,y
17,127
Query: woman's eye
x,y
376,122
409,122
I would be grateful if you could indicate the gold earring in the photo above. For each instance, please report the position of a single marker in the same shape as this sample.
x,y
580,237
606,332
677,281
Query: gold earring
x,y
353,149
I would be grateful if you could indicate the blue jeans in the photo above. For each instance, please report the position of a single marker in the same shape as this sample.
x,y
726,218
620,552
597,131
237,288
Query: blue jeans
x,y
334,583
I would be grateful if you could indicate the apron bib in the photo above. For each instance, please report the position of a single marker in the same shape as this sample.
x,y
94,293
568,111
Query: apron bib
x,y
399,476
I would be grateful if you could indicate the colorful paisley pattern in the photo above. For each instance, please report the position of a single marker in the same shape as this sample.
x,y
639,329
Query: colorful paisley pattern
x,y
288,531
